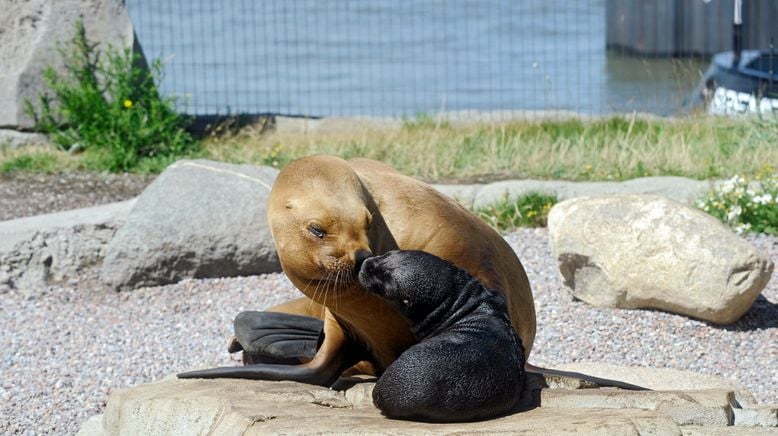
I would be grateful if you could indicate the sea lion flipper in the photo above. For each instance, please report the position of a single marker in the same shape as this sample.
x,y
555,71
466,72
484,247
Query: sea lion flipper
x,y
329,361
272,337
323,370
262,371
233,345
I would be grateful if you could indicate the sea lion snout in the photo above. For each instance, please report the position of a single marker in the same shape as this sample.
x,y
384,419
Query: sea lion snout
x,y
359,257
371,275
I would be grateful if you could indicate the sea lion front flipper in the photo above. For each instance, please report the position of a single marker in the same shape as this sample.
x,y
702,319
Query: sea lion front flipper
x,y
272,337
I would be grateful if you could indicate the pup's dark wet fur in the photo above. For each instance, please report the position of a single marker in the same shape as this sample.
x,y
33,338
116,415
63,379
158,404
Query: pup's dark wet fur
x,y
469,363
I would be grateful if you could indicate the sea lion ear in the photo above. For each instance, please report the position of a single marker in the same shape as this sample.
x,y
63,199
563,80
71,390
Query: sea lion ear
x,y
289,204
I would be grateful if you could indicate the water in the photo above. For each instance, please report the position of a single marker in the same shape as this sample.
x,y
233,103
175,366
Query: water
x,y
399,57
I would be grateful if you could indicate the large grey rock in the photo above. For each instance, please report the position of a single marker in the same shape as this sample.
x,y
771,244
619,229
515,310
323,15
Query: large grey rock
x,y
645,251
680,189
29,33
197,219
48,248
478,196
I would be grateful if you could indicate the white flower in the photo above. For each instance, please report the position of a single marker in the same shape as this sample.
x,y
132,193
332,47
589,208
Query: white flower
x,y
734,213
763,199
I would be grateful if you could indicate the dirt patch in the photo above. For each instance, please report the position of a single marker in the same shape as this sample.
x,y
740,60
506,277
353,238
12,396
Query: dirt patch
x,y
24,194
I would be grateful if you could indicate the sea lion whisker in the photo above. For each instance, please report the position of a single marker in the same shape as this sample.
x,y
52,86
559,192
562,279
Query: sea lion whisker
x,y
318,284
335,289
326,289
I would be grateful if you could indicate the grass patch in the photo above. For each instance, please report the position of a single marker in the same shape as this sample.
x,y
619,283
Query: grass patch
x,y
527,211
36,159
38,162
615,148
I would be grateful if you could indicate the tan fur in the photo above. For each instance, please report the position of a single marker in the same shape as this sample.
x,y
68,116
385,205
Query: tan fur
x,y
367,205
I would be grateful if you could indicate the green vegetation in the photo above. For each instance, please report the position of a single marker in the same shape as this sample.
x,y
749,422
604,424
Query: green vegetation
x,y
37,161
615,148
746,205
107,105
528,211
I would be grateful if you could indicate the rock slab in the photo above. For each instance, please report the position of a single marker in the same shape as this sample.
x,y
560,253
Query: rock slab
x,y
646,251
479,196
249,407
29,33
658,379
197,219
215,407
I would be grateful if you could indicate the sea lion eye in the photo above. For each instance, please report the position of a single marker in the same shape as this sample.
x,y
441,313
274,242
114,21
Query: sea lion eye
x,y
317,231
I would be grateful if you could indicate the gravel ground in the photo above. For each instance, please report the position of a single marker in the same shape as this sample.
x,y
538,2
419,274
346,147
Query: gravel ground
x,y
62,353
24,194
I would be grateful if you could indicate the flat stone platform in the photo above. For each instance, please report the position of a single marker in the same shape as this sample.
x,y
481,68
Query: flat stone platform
x,y
222,407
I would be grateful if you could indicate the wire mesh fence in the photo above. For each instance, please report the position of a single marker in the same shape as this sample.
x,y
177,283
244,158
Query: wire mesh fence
x,y
406,57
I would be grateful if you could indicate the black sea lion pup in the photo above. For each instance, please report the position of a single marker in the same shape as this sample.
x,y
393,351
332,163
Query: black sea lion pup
x,y
469,363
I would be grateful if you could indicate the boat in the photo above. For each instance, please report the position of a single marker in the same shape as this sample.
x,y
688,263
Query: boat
x,y
742,83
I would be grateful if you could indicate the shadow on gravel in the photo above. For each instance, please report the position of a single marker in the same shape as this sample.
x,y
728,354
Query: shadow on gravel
x,y
762,315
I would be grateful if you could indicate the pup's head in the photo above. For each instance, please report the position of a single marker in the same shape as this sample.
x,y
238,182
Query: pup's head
x,y
413,282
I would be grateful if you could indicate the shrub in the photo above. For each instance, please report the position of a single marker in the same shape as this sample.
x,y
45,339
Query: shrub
x,y
746,205
107,104
530,210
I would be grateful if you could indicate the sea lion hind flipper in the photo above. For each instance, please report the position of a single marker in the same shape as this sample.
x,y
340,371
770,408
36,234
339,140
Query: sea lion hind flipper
x,y
273,337
323,370
261,371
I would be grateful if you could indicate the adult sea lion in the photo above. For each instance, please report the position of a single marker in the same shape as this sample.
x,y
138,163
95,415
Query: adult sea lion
x,y
468,364
326,216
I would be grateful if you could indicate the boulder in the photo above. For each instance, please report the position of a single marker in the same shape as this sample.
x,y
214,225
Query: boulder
x,y
680,189
197,219
646,251
29,33
39,250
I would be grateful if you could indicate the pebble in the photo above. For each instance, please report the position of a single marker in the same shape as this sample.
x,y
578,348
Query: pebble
x,y
32,194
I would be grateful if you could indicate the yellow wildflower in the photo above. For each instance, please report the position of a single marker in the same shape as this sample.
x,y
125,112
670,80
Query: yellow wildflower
x,y
127,103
